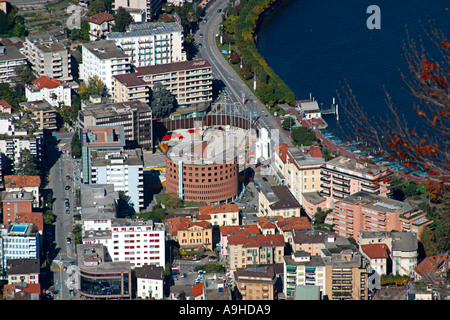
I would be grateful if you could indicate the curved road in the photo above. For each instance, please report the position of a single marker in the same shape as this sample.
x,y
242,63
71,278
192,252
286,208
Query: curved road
x,y
235,87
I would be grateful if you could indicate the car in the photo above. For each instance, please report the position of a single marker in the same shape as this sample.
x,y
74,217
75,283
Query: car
x,y
67,177
183,275
205,20
201,35
67,187
219,10
212,258
199,45
68,239
67,211
66,199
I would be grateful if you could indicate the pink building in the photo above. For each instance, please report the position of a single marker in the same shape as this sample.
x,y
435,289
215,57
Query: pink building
x,y
365,211
226,231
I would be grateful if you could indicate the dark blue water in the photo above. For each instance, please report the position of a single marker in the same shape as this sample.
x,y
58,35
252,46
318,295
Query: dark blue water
x,y
315,46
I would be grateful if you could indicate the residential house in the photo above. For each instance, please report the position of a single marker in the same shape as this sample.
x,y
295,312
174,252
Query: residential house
x,y
100,25
189,234
227,231
151,7
56,92
24,183
256,282
221,214
246,249
278,201
378,256
150,282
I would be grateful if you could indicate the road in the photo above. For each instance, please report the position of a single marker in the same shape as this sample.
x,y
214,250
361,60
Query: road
x,y
236,88
63,253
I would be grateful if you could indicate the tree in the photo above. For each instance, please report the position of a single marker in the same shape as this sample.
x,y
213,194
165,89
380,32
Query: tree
x,y
94,86
425,147
26,165
75,146
163,102
81,34
287,123
122,20
24,76
48,217
303,136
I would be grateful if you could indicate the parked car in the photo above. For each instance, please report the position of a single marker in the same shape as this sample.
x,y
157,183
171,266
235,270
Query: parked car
x,y
67,211
67,187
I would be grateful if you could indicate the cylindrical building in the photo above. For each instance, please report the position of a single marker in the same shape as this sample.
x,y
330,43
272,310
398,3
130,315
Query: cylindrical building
x,y
202,171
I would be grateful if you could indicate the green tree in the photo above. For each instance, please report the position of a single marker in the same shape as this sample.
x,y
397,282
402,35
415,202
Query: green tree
x,y
303,136
122,20
94,86
163,102
287,123
81,34
26,165
48,217
75,146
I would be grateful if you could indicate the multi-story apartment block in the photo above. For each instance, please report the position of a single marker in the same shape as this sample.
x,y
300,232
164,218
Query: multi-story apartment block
x,y
48,57
190,234
299,169
140,242
10,58
135,117
123,169
227,231
24,271
55,92
256,282
152,43
104,60
12,146
366,211
43,113
402,248
19,241
99,138
247,249
151,7
343,176
16,204
301,269
189,81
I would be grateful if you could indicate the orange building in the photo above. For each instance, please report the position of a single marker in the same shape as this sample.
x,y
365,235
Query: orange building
x,y
190,235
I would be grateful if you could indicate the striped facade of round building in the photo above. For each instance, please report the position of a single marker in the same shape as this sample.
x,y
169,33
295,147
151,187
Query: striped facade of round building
x,y
201,173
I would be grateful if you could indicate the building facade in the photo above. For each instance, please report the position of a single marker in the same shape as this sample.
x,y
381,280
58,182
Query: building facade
x,y
10,58
135,117
123,169
48,57
103,59
151,7
201,173
151,43
189,81
55,92
43,113
363,211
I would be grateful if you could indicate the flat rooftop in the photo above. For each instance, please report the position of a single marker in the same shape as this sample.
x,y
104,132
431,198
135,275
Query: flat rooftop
x,y
106,49
147,29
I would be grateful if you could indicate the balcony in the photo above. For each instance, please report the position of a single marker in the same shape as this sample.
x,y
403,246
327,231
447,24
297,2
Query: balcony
x,y
343,192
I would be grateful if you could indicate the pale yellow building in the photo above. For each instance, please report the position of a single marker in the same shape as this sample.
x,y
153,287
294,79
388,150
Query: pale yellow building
x,y
190,235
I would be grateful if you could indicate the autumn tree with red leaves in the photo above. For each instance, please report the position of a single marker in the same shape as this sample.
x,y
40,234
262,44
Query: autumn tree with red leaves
x,y
425,149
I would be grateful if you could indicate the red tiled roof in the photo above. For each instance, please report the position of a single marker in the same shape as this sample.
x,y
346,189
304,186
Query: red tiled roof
x,y
231,230
264,223
32,217
376,251
182,223
431,264
258,240
197,289
218,208
99,18
294,223
315,151
5,104
14,181
45,82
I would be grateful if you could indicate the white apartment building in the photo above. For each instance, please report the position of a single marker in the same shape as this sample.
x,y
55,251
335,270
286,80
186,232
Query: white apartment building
x,y
104,60
11,148
48,57
123,169
10,58
151,7
53,91
152,43
18,241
